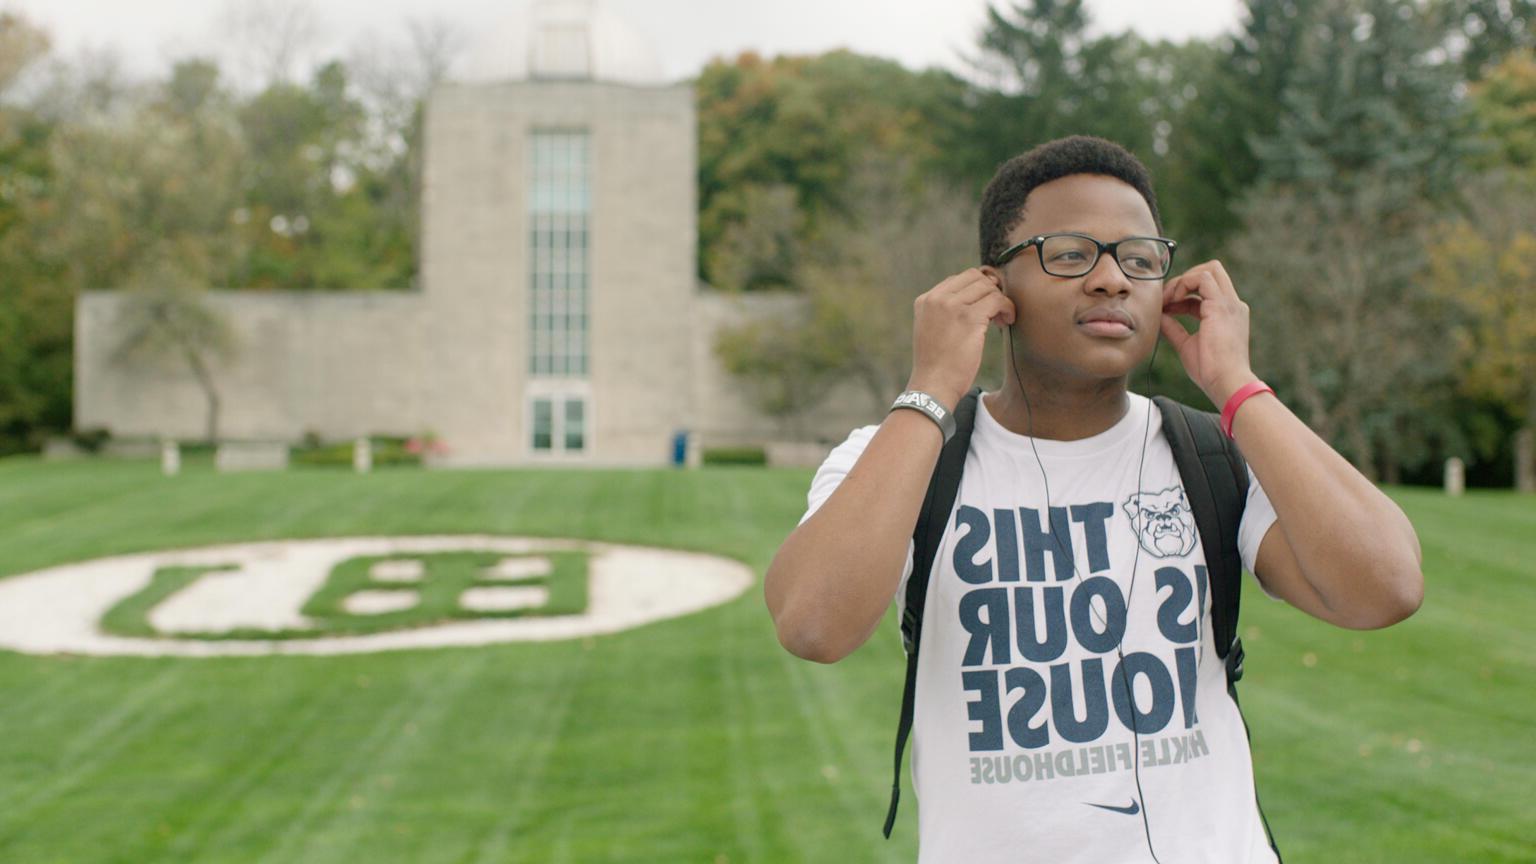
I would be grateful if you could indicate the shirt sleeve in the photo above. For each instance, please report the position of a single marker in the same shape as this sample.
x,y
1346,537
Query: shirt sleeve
x,y
1258,518
831,473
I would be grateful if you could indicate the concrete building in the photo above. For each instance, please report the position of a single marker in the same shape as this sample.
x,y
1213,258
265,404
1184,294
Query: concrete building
x,y
558,316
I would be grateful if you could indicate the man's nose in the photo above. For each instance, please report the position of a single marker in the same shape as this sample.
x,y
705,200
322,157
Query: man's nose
x,y
1107,278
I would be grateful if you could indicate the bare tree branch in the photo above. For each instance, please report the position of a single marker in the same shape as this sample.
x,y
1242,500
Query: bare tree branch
x,y
270,38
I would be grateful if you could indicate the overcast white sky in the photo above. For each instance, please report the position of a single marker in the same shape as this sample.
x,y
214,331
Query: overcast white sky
x,y
148,34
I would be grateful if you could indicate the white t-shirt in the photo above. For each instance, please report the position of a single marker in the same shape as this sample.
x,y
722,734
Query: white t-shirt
x,y
1023,748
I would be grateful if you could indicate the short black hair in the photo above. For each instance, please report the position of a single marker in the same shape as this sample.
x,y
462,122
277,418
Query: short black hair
x,y
1002,204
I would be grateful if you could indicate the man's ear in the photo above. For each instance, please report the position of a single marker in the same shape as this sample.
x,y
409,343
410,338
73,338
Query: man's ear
x,y
995,275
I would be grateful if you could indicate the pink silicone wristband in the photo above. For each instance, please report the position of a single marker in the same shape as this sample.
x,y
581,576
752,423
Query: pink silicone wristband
x,y
1252,388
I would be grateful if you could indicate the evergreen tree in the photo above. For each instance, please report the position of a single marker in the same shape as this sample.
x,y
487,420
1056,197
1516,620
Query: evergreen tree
x,y
1042,76
1371,95
1369,137
1481,33
1237,98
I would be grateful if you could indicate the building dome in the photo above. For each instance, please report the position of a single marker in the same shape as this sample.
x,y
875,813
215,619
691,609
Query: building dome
x,y
563,40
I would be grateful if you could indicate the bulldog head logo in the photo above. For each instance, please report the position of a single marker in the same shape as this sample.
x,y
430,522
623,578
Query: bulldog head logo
x,y
1162,521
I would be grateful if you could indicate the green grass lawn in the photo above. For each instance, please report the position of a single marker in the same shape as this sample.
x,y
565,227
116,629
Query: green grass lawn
x,y
691,740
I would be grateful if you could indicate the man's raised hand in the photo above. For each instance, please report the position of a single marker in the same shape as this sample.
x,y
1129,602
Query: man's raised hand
x,y
949,329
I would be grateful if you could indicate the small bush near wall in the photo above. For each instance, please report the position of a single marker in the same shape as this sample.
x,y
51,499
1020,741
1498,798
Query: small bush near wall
x,y
91,440
386,451
735,456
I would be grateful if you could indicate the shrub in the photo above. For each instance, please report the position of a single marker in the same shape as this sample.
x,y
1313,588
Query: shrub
x,y
387,451
91,440
735,456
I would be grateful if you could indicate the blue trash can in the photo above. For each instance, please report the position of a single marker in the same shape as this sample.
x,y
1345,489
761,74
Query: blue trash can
x,y
680,448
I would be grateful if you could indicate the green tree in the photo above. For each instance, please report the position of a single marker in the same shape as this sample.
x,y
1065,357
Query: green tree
x,y
299,139
1233,93
1370,137
1350,81
167,321
35,307
1341,323
856,282
761,250
1043,77
1483,263
785,370
804,123
130,188
102,181
1369,97
394,82
330,195
163,173
1505,103
1480,33
862,275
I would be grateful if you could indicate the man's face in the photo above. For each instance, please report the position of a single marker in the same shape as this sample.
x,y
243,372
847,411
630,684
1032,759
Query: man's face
x,y
1059,324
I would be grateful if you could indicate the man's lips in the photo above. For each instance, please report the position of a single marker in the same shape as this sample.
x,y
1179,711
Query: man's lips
x,y
1107,322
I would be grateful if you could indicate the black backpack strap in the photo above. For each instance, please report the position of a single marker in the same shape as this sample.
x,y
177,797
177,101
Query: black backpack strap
x,y
932,520
1215,478
1216,484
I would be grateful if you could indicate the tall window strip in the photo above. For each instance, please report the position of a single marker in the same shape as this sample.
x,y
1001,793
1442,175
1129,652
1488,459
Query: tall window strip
x,y
558,207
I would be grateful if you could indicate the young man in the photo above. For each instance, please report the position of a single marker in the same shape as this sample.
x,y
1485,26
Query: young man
x,y
1026,744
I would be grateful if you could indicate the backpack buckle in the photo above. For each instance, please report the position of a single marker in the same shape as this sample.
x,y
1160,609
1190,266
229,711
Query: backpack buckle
x,y
1234,661
908,629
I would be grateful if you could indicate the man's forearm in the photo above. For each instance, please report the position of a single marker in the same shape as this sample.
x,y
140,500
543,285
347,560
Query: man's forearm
x,y
1352,543
831,581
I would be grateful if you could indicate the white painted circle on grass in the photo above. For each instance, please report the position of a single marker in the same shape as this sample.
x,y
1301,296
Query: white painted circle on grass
x,y
59,610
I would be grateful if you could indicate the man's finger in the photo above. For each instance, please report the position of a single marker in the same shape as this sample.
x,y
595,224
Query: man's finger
x,y
999,309
961,281
1214,281
1187,306
1181,287
1174,332
1201,287
1222,278
973,292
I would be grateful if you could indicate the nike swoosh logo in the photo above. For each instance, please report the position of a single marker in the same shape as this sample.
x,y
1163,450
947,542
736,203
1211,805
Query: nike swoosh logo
x,y
1129,811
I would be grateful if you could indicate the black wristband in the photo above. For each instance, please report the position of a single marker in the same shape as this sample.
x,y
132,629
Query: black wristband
x,y
931,408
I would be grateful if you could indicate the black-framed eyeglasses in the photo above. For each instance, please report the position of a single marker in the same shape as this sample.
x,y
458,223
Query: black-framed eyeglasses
x,y
1070,254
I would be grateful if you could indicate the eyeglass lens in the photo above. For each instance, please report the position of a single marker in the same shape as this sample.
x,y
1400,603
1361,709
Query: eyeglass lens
x,y
1074,256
